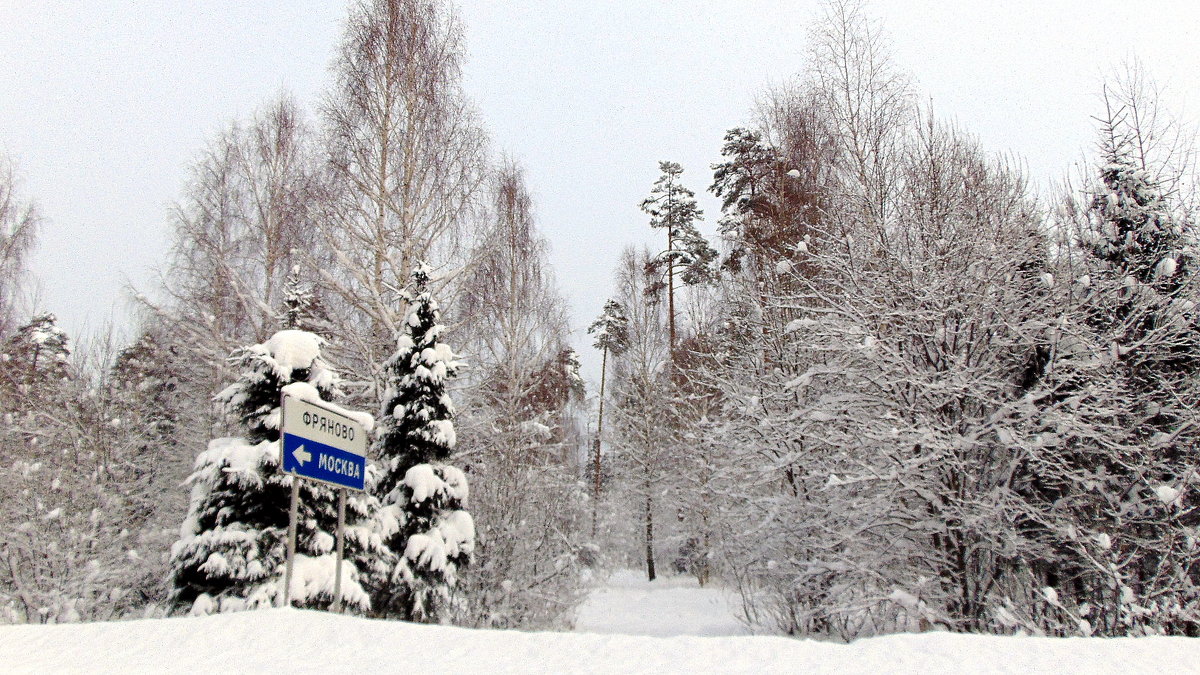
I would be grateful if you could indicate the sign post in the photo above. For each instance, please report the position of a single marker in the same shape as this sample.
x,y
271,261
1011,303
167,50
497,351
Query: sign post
x,y
320,443
341,547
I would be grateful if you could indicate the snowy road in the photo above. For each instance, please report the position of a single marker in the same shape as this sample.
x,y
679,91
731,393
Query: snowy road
x,y
629,605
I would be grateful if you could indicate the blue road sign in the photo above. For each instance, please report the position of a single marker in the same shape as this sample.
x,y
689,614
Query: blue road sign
x,y
310,459
322,442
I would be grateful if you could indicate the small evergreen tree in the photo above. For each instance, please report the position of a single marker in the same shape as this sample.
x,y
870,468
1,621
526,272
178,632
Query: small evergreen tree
x,y
233,546
672,207
423,520
302,308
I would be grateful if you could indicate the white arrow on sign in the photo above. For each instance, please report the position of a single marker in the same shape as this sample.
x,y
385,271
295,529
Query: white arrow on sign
x,y
301,455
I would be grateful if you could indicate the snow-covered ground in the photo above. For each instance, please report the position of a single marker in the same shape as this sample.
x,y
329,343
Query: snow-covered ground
x,y
630,605
296,641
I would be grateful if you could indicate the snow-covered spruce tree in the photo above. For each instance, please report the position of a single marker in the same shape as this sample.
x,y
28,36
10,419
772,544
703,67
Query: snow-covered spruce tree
x,y
672,207
423,519
302,308
1111,494
232,549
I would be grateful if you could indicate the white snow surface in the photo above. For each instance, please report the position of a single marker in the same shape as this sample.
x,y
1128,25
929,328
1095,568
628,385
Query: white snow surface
x,y
293,349
665,607
298,641
423,482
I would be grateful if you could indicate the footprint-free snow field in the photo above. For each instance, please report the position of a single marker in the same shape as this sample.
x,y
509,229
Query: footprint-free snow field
x,y
628,604
627,626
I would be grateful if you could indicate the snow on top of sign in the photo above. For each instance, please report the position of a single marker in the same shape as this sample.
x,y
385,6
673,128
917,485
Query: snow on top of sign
x,y
306,392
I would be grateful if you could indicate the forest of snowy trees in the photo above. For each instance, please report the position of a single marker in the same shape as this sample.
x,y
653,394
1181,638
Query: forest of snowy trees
x,y
897,390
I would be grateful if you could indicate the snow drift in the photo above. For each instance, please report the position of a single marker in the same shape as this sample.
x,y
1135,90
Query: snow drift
x,y
290,640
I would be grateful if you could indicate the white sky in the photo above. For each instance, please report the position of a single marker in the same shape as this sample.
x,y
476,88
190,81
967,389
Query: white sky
x,y
103,105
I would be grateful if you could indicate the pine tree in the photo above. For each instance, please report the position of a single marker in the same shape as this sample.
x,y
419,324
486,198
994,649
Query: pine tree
x,y
423,519
768,204
233,547
672,207
612,335
743,182
37,352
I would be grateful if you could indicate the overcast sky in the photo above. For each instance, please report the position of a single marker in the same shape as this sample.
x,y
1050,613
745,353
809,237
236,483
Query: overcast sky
x,y
104,104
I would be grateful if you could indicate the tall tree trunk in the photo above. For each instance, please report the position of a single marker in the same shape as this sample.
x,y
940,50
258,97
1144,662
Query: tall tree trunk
x,y
671,293
649,532
599,436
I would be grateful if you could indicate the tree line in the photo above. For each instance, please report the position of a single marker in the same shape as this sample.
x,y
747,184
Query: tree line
x,y
910,392
899,390
353,226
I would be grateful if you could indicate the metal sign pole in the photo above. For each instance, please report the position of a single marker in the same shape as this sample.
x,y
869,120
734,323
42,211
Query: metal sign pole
x,y
322,442
291,552
293,509
341,548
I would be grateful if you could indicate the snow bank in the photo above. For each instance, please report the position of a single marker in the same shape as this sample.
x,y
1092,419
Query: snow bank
x,y
288,640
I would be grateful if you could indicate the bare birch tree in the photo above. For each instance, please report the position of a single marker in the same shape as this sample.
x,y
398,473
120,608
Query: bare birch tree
x,y
19,221
242,225
406,164
517,435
